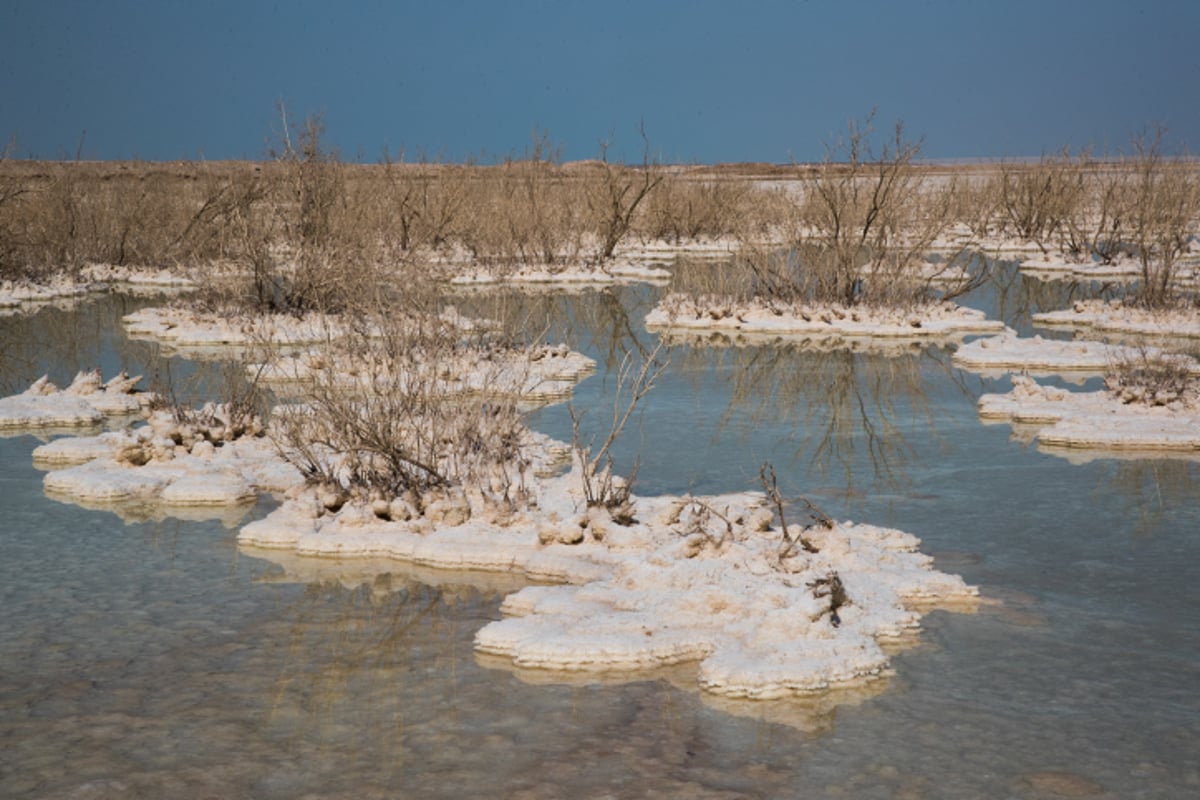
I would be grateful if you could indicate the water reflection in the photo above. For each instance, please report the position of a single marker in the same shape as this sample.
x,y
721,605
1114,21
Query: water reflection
x,y
847,411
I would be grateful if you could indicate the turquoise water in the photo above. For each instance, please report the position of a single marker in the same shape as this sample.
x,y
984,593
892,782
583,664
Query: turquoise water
x,y
155,659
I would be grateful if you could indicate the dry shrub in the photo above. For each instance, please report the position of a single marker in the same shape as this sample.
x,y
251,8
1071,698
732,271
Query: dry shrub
x,y
683,209
614,194
402,430
860,230
602,488
1037,199
1164,202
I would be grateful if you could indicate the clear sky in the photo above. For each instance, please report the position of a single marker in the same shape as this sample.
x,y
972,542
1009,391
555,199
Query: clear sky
x,y
711,81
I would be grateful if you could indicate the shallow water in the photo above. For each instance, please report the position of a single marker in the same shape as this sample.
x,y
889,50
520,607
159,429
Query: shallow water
x,y
154,659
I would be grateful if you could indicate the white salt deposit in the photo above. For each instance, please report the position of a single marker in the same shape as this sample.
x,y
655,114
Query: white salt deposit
x,y
1117,317
1009,352
540,373
87,401
186,328
936,320
1097,420
148,466
689,581
614,272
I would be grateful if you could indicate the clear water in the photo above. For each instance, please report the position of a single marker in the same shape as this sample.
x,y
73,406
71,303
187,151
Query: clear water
x,y
153,659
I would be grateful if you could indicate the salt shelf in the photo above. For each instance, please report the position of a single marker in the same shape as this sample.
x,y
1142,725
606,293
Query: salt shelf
x,y
615,272
1009,352
680,585
934,321
1118,318
92,279
1096,420
1123,270
184,328
146,465
538,374
88,401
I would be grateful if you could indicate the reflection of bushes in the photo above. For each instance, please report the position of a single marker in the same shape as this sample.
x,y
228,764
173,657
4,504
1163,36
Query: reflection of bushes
x,y
843,404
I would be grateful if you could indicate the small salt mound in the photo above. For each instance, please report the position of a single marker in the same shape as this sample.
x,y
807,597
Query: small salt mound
x,y
87,401
73,450
106,480
207,490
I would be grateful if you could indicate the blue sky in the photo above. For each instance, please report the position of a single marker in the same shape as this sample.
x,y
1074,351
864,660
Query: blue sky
x,y
711,81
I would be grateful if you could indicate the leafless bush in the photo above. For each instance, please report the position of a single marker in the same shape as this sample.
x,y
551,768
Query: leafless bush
x,y
402,432
602,488
615,194
860,231
1037,199
1163,207
683,209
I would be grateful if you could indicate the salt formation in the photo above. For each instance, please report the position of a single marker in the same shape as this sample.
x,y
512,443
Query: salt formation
x,y
87,401
210,461
185,328
705,580
1117,317
618,272
937,320
541,373
1101,420
1009,352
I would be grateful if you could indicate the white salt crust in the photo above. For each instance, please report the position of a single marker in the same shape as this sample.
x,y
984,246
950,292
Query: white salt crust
x,y
615,272
95,470
1117,318
939,320
93,279
1009,352
186,328
678,586
542,373
1096,420
88,401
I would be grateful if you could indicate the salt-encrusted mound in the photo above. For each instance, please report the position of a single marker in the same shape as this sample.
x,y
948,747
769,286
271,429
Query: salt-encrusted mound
x,y
1116,317
17,294
87,401
1097,420
1009,352
147,465
616,272
937,320
138,278
1123,269
691,581
186,328
540,373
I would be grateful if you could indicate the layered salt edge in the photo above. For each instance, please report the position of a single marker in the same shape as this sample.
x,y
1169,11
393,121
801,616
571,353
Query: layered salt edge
x,y
87,401
92,279
680,312
1117,317
676,586
1009,352
1096,420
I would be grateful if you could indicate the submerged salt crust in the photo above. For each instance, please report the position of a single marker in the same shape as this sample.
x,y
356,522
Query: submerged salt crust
x,y
88,401
1010,352
693,580
1096,420
936,320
